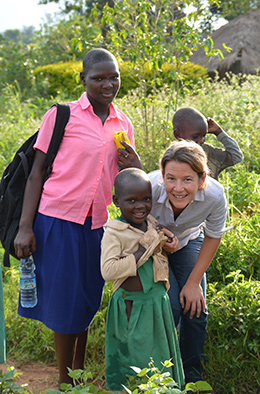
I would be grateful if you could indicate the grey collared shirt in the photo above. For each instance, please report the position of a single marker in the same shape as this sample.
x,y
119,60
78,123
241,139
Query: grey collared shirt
x,y
208,209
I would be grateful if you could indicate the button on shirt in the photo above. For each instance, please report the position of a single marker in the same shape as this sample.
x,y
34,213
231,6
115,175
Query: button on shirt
x,y
85,166
208,209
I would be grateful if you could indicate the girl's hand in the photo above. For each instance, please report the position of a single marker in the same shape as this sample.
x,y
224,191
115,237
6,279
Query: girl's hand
x,y
172,245
128,157
191,298
24,244
138,254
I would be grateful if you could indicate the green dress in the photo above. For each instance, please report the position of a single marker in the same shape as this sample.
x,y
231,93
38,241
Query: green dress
x,y
149,333
2,324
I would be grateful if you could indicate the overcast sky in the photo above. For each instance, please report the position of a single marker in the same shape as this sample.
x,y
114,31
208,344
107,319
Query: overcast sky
x,y
15,14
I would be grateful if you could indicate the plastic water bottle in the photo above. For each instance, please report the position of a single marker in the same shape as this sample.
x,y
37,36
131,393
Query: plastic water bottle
x,y
28,290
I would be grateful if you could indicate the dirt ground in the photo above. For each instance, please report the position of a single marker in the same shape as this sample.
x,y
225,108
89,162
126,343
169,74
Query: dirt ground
x,y
36,376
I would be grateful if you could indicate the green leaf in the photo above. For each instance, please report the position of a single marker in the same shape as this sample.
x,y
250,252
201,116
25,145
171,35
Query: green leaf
x,y
191,386
228,49
65,386
143,372
203,386
76,374
167,364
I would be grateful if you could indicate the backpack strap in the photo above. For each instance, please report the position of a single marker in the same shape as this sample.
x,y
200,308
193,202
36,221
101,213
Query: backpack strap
x,y
62,117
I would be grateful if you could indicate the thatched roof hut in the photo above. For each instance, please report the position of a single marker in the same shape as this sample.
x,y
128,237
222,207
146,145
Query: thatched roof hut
x,y
242,34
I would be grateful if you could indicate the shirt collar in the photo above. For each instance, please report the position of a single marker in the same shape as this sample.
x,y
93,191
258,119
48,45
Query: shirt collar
x,y
120,224
113,111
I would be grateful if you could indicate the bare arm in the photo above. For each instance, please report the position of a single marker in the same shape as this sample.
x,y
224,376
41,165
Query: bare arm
x,y
128,157
25,243
191,296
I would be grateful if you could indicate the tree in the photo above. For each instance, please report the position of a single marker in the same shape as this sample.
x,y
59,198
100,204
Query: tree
x,y
27,34
149,35
85,8
13,35
54,42
19,36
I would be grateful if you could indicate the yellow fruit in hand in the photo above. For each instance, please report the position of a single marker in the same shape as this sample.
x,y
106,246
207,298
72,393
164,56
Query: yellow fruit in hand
x,y
120,136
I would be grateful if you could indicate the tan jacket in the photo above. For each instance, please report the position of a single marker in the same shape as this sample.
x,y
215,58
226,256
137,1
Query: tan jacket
x,y
120,241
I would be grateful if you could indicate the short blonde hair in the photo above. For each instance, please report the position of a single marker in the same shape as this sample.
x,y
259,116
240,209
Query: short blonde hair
x,y
186,152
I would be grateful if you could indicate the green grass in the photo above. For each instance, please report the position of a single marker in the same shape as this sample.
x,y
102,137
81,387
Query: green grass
x,y
233,341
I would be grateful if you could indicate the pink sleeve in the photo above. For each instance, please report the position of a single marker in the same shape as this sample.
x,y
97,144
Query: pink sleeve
x,y
46,129
130,133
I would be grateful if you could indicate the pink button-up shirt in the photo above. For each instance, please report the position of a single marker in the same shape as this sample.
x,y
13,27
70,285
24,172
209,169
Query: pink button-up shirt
x,y
85,166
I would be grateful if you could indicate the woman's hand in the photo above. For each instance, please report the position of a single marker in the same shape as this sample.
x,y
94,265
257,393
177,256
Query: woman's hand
x,y
172,245
191,298
191,295
128,157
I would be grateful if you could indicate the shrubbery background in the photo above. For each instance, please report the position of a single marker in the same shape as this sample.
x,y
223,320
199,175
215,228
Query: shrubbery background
x,y
64,77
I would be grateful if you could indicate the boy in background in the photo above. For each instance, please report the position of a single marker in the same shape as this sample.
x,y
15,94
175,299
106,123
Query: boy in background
x,y
190,124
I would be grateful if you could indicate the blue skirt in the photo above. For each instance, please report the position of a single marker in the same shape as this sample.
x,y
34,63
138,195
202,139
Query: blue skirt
x,y
69,282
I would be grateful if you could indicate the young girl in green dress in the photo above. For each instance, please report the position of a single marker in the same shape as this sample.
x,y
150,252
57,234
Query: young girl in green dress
x,y
139,324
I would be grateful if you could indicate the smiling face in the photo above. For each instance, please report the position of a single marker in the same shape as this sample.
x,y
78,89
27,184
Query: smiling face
x,y
135,201
102,82
181,184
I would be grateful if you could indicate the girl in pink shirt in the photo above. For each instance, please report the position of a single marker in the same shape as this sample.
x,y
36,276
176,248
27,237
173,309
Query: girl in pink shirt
x,y
62,218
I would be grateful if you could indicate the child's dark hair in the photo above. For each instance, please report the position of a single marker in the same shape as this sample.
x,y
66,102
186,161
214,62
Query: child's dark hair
x,y
125,176
188,115
95,56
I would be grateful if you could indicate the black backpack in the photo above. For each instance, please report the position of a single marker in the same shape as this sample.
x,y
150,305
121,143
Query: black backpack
x,y
15,177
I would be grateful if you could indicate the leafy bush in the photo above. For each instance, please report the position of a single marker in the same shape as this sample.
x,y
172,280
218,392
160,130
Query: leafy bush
x,y
236,322
151,380
233,338
64,77
16,64
239,249
7,385
243,189
16,123
61,77
82,387
190,75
